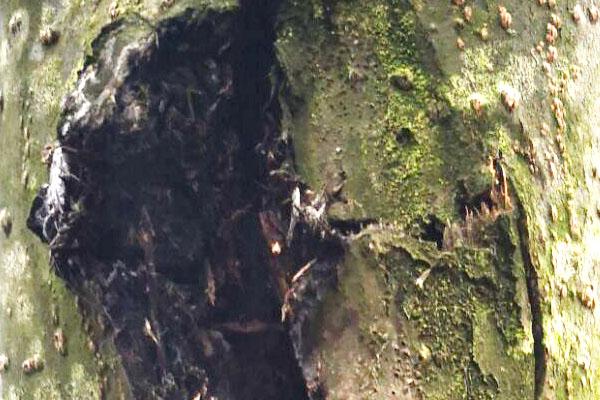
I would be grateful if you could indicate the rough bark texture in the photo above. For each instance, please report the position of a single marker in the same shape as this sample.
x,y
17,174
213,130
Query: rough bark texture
x,y
410,186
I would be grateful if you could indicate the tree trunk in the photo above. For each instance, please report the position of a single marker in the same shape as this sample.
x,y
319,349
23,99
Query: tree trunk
x,y
299,199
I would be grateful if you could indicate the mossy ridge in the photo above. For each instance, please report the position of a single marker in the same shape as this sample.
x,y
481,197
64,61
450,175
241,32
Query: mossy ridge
x,y
412,171
396,31
354,108
402,137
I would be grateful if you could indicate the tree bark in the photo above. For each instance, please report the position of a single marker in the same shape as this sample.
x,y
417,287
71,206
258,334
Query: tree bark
x,y
40,319
300,199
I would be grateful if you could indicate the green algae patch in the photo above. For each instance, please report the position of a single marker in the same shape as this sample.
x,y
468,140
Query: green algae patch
x,y
357,101
442,316
491,355
406,317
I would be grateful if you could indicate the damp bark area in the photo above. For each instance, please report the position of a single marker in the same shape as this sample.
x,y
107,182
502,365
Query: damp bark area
x,y
161,207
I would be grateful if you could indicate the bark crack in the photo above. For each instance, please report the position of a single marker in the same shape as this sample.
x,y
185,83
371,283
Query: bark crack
x,y
533,293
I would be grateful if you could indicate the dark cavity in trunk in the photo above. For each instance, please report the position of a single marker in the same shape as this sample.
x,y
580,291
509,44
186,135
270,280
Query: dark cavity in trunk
x,y
163,167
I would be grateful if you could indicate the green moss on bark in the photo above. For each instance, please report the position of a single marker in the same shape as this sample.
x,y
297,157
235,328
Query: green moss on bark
x,y
387,84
